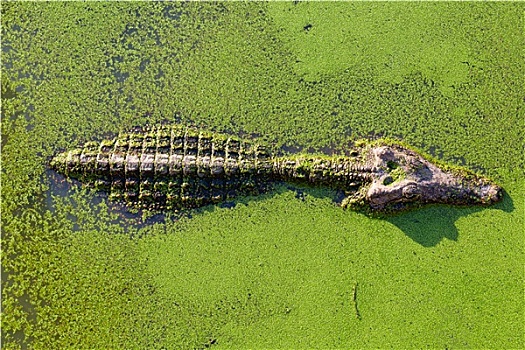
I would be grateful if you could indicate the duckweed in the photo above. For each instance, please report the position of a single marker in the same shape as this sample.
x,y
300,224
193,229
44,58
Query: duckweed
x,y
280,270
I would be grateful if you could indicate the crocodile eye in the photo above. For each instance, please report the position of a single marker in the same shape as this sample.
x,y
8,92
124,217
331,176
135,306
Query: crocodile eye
x,y
410,191
388,180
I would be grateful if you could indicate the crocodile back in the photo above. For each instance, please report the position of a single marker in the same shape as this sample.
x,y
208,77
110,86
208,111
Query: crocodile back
x,y
173,167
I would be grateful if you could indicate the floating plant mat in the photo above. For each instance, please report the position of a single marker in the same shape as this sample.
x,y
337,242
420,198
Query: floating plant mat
x,y
274,271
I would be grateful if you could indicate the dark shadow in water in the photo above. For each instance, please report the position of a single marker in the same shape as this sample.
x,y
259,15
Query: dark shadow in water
x,y
129,217
428,226
60,186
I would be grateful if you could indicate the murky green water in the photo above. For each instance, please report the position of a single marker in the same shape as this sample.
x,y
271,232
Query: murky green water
x,y
279,270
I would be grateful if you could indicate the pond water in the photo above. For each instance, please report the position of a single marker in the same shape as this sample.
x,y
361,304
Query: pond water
x,y
277,270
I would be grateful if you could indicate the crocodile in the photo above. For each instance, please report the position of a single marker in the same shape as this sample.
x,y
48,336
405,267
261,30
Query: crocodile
x,y
175,167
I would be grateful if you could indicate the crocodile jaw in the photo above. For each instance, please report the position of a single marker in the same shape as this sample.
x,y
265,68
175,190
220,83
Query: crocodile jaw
x,y
404,179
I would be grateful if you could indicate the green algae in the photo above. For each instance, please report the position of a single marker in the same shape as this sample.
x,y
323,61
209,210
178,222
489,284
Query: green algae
x,y
276,270
395,38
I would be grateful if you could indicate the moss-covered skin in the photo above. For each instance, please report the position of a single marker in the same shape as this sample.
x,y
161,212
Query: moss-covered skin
x,y
170,167
177,167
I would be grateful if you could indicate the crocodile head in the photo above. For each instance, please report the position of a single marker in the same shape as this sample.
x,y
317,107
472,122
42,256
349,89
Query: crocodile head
x,y
402,178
